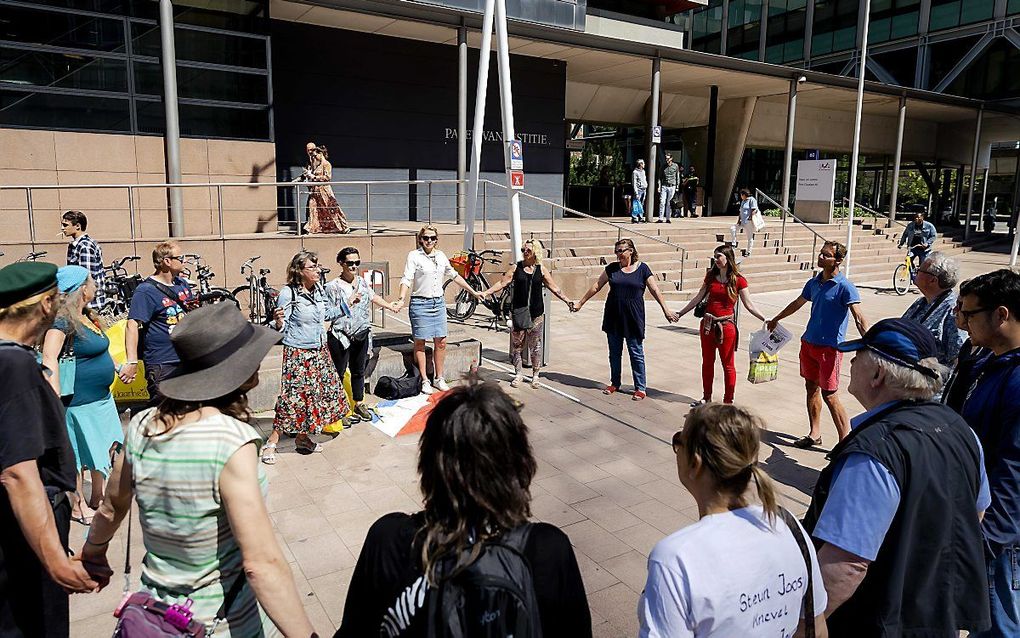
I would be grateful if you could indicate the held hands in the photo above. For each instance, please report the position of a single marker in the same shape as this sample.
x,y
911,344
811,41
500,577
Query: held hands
x,y
71,574
97,565
671,316
575,306
127,373
396,306
771,324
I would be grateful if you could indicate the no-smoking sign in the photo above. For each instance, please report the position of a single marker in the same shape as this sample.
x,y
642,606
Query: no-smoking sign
x,y
517,180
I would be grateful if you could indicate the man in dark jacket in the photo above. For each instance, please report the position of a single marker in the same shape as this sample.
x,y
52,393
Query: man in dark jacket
x,y
896,513
990,308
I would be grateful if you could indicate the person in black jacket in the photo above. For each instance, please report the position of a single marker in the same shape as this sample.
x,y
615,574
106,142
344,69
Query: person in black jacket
x,y
896,512
476,467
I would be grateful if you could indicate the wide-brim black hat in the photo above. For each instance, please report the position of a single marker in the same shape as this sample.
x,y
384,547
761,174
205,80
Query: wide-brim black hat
x,y
219,351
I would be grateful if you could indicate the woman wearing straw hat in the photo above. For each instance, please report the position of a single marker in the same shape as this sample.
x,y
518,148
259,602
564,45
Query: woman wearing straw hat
x,y
192,466
93,424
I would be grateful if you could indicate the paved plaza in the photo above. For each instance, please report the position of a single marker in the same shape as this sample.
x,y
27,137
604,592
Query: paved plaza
x,y
606,475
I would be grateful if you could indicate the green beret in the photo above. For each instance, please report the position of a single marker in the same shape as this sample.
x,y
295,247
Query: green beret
x,y
23,280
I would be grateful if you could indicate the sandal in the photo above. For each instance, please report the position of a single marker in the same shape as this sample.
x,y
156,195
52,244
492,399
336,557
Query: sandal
x,y
269,453
807,443
638,395
609,389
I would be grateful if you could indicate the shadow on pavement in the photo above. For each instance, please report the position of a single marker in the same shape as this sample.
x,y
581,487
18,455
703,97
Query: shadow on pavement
x,y
784,468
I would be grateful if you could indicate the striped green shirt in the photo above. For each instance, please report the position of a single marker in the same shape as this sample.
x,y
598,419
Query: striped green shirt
x,y
191,551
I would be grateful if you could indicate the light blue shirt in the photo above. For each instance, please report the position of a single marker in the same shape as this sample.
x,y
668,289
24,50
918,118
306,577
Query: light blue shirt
x,y
863,499
830,309
304,316
747,207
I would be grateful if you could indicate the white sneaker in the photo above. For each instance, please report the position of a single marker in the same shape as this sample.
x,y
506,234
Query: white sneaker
x,y
441,384
516,382
534,381
426,388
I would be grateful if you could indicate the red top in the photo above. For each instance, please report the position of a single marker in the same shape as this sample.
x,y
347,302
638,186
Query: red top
x,y
719,302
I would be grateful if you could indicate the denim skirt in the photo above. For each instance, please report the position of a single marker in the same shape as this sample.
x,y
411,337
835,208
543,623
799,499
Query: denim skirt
x,y
428,317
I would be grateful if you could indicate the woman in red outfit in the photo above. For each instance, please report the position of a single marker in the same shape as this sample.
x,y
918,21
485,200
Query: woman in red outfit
x,y
723,284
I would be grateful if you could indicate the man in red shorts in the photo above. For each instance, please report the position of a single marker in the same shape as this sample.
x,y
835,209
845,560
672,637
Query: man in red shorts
x,y
833,299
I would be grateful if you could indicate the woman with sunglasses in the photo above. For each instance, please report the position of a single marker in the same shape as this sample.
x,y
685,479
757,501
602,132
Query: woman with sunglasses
x,y
528,278
722,287
425,271
350,335
742,569
624,316
311,396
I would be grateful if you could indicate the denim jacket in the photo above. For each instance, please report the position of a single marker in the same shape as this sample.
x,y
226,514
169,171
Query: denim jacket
x,y
304,316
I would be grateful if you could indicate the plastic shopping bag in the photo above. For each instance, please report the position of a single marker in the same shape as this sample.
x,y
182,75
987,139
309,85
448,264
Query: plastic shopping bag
x,y
758,220
637,208
136,391
335,427
770,342
764,367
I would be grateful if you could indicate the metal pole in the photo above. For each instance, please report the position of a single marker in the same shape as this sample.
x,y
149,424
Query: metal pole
x,y
31,216
552,229
172,137
368,208
973,170
462,71
430,202
507,104
791,118
131,211
219,206
653,148
896,161
297,208
855,156
485,207
485,45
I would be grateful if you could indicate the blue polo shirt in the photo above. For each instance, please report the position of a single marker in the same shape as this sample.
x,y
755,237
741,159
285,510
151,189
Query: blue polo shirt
x,y
830,309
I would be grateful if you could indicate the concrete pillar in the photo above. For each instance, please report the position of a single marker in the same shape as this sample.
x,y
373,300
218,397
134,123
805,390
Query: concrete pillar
x,y
896,161
462,83
713,129
734,123
653,149
172,137
791,117
973,170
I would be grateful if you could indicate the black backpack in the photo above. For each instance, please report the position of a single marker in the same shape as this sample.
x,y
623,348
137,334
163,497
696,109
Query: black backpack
x,y
493,597
392,388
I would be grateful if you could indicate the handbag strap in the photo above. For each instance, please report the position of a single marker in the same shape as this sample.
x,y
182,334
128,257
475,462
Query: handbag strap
x,y
809,594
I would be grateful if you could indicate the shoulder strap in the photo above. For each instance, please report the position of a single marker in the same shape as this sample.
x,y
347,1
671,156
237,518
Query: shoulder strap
x,y
809,594
166,290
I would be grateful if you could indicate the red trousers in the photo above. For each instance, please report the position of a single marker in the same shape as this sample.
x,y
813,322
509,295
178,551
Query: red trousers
x,y
727,351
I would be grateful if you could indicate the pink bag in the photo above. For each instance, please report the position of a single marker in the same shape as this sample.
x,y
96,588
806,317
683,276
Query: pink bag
x,y
142,616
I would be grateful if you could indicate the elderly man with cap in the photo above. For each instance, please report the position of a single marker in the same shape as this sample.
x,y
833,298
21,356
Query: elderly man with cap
x,y
896,513
37,467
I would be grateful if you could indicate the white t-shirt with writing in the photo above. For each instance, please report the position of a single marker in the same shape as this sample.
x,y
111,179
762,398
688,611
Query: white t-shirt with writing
x,y
729,575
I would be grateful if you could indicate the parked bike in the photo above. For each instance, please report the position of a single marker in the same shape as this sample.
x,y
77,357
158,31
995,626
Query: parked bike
x,y
257,299
119,286
204,291
462,305
33,256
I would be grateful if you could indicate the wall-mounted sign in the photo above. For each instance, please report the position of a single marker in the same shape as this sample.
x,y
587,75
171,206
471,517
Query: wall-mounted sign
x,y
656,135
516,156
517,180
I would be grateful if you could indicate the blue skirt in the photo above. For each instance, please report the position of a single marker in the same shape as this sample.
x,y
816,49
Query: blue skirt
x,y
428,317
93,428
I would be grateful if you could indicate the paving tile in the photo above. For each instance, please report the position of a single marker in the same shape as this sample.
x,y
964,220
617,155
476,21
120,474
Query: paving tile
x,y
337,498
595,577
631,568
641,537
618,605
619,492
550,509
660,516
390,499
352,526
596,543
664,491
565,488
322,554
300,522
331,592
285,495
606,513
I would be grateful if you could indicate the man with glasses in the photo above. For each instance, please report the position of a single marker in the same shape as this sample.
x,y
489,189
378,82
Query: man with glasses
x,y
157,305
936,280
990,311
85,252
833,299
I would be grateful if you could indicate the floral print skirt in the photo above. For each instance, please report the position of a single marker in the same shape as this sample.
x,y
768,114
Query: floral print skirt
x,y
311,396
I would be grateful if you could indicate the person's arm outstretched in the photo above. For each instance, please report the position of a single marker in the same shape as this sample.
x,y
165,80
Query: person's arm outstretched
x,y
745,297
793,307
594,290
653,287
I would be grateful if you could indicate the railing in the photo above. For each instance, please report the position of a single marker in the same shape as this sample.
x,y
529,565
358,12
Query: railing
x,y
619,227
787,213
891,217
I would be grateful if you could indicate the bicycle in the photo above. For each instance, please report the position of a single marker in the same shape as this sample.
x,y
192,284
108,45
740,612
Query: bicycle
x,y
257,299
32,256
904,274
119,286
204,292
464,305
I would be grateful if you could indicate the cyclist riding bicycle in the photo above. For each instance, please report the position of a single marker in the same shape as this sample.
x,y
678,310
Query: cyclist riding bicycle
x,y
919,235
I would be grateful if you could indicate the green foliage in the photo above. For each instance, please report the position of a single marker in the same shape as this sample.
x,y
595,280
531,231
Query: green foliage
x,y
600,163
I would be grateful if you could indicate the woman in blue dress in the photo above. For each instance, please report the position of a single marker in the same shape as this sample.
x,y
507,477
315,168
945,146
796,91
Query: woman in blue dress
x,y
93,424
624,316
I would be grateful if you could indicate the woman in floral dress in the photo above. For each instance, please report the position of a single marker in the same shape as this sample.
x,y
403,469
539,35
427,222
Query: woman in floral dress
x,y
324,213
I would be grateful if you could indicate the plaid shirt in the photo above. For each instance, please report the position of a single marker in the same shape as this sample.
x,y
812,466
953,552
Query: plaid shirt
x,y
85,252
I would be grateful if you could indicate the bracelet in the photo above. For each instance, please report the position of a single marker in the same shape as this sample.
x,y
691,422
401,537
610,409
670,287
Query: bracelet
x,y
89,541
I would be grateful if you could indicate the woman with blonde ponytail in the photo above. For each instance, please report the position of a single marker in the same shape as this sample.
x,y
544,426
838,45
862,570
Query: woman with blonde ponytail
x,y
740,571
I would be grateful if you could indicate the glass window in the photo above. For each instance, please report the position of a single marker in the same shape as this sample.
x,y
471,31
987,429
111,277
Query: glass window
x,y
708,28
990,76
742,42
204,84
835,27
1013,7
66,70
900,64
892,19
207,121
74,112
39,26
744,12
785,34
950,13
200,46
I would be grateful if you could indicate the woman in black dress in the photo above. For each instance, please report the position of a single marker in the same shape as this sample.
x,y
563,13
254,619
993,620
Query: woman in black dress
x,y
527,277
624,317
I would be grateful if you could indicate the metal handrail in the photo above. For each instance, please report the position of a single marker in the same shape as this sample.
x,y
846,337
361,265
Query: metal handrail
x,y
619,227
874,213
787,213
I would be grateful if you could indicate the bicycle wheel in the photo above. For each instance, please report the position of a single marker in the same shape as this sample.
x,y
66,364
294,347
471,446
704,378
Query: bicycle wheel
x,y
901,279
459,304
242,294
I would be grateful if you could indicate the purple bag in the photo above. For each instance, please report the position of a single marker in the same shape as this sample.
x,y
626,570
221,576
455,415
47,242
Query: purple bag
x,y
142,616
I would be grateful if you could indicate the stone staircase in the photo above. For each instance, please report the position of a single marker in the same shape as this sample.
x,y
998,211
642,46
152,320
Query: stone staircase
x,y
577,258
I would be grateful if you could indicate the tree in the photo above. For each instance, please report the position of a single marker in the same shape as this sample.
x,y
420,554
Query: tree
x,y
599,163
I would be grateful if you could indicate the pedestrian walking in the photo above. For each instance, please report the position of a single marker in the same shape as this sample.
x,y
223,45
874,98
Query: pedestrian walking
x,y
691,183
639,181
413,567
895,513
936,279
919,235
425,271
93,424
350,335
746,559
37,466
745,220
670,181
192,466
527,309
157,306
324,213
990,307
623,319
722,287
833,299
83,251
311,395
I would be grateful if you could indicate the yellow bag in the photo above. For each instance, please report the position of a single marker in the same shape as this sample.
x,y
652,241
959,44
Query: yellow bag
x,y
764,367
137,390
334,428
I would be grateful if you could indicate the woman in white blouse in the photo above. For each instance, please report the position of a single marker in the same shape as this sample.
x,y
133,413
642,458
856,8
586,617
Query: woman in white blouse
x,y
425,272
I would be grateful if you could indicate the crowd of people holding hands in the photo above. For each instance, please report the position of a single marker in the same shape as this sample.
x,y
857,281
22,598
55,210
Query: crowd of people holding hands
x,y
913,527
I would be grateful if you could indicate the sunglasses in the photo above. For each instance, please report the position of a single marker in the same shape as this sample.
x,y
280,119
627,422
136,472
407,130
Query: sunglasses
x,y
64,224
312,267
179,258
967,314
526,250
430,238
352,264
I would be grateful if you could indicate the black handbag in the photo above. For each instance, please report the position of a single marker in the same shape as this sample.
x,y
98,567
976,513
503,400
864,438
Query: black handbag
x,y
521,317
699,310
